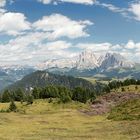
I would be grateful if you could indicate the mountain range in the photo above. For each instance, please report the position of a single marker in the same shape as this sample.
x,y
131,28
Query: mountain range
x,y
87,60
10,74
112,65
86,64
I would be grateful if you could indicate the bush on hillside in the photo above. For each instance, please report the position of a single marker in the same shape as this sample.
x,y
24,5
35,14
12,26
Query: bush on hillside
x,y
12,106
123,89
30,99
64,98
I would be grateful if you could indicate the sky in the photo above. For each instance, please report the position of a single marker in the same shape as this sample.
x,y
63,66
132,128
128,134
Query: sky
x,y
32,31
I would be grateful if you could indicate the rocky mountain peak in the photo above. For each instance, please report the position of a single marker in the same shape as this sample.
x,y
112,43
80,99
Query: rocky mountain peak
x,y
115,60
87,60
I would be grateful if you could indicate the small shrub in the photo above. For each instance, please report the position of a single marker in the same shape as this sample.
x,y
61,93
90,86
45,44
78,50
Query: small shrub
x,y
123,89
136,87
6,97
64,98
92,99
50,100
30,99
12,106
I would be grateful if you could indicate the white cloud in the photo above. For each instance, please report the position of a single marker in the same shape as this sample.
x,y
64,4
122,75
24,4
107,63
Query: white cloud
x,y
95,47
129,50
17,24
86,2
13,23
110,7
61,26
28,47
130,45
32,48
57,45
135,10
130,12
45,1
35,45
113,8
2,11
2,3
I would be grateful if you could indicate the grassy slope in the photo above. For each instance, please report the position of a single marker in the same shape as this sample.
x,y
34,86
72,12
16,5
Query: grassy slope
x,y
94,80
44,121
90,79
130,88
129,110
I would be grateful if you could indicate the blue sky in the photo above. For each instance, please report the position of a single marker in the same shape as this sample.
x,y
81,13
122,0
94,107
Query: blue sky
x,y
32,31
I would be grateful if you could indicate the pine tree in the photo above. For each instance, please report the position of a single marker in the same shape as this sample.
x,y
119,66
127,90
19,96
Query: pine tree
x,y
79,94
35,93
18,95
6,97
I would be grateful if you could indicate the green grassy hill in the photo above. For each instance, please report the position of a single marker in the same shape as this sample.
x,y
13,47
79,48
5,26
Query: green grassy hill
x,y
43,78
53,121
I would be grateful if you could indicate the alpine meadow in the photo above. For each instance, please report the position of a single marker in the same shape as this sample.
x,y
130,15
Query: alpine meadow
x,y
69,70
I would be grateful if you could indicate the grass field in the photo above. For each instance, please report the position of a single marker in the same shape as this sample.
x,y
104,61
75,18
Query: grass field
x,y
130,88
50,121
94,80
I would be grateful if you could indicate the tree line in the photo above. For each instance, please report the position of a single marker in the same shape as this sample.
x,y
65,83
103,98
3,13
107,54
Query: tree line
x,y
62,93
115,84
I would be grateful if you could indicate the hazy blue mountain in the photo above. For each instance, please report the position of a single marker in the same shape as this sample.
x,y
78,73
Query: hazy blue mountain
x,y
10,74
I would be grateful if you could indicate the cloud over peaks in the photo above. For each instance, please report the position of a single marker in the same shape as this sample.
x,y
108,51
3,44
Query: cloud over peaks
x,y
61,26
